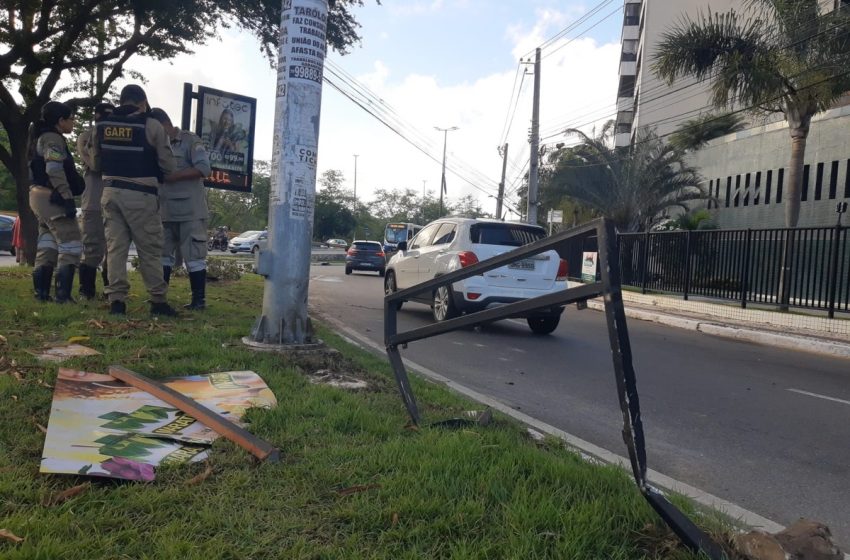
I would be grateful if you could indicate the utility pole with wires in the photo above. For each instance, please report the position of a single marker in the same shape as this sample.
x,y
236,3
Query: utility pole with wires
x,y
503,151
535,144
285,263
445,132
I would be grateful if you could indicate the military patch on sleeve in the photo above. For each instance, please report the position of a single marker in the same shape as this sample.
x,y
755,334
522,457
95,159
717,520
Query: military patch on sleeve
x,y
54,153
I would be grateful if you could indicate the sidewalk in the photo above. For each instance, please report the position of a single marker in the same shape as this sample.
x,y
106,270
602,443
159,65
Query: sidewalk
x,y
792,331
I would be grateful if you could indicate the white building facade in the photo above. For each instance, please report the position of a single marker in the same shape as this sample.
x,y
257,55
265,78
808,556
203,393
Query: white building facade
x,y
744,172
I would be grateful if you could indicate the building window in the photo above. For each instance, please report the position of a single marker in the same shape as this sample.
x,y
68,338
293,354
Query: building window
x,y
805,195
767,185
710,190
737,191
632,14
747,190
780,178
757,193
630,48
833,180
729,188
717,194
627,86
819,181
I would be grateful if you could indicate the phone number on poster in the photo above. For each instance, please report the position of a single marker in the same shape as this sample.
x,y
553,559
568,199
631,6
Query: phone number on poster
x,y
305,73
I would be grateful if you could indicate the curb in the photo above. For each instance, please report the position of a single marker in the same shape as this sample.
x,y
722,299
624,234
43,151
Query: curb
x,y
587,450
800,343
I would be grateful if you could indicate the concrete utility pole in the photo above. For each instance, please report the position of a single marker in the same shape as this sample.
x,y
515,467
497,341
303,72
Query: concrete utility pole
x,y
503,151
445,132
286,262
535,144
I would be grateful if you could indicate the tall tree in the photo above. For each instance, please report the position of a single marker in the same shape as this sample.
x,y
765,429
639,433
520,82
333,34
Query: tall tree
x,y
631,186
53,48
693,134
780,56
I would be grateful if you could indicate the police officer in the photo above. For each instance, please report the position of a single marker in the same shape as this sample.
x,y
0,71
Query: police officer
x,y
134,156
183,204
94,239
54,182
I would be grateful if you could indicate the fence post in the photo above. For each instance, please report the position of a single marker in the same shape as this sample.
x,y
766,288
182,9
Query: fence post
x,y
745,273
687,264
833,269
644,259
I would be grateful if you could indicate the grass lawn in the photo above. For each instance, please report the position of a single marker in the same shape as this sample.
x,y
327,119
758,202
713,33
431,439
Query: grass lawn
x,y
355,481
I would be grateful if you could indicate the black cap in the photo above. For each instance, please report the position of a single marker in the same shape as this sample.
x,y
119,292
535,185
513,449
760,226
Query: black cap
x,y
133,94
160,115
104,108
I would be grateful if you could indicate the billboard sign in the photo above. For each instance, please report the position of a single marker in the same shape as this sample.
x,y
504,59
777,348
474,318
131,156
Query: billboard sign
x,y
225,122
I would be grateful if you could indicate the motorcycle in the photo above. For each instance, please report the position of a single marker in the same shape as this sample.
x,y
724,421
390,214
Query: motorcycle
x,y
217,242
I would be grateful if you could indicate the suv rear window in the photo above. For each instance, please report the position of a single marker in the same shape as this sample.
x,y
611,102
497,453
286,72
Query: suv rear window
x,y
367,246
511,235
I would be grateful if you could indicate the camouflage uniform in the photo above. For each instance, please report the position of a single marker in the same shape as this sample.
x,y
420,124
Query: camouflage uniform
x,y
94,234
183,205
52,174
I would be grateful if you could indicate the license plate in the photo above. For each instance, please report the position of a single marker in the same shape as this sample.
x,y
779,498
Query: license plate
x,y
525,264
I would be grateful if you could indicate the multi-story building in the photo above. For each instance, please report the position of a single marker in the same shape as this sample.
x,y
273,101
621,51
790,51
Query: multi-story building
x,y
744,171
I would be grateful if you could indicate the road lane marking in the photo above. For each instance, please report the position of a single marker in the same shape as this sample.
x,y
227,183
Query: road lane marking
x,y
824,397
520,350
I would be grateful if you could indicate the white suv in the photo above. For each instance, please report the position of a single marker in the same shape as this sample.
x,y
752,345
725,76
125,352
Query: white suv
x,y
448,244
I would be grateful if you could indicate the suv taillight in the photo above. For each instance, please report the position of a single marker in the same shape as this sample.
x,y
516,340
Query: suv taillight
x,y
381,254
467,258
351,252
562,271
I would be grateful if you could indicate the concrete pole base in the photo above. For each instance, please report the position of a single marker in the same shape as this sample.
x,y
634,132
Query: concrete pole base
x,y
287,349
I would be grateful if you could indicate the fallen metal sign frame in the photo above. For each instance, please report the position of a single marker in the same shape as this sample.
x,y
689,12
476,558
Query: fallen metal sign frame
x,y
610,289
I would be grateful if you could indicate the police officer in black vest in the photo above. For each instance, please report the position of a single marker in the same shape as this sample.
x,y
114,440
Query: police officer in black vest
x,y
134,155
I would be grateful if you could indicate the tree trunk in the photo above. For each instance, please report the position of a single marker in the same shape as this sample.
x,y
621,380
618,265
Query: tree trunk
x,y
799,134
20,171
795,176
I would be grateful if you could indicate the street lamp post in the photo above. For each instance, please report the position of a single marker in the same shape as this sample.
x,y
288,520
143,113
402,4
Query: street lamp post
x,y
445,132
355,180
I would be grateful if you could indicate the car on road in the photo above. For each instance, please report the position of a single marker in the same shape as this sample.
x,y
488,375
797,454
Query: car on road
x,y
365,255
7,223
449,244
248,242
337,243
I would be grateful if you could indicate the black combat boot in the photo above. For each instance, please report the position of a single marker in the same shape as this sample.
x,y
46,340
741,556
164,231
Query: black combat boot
x,y
117,308
42,277
65,283
88,275
162,308
166,273
198,282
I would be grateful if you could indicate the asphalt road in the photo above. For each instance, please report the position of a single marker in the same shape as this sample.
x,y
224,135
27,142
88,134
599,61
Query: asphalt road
x,y
764,428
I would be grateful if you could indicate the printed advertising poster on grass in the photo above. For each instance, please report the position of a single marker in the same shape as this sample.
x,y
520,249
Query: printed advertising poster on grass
x,y
100,426
225,122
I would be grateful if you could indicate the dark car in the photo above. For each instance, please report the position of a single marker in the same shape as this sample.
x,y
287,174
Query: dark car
x,y
365,255
6,225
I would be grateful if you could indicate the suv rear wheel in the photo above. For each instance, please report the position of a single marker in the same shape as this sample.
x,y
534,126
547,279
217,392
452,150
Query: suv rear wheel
x,y
390,287
543,325
443,307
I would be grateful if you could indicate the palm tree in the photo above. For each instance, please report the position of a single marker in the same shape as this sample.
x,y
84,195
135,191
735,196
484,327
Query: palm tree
x,y
783,56
631,186
695,133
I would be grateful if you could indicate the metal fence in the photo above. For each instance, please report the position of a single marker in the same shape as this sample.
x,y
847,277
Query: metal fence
x,y
743,265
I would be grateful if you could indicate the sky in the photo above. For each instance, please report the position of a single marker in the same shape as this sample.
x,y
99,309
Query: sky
x,y
436,63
